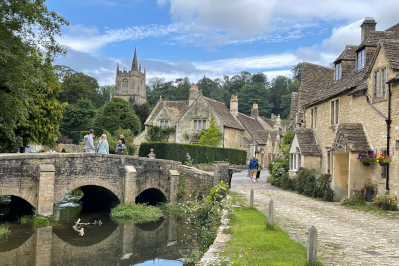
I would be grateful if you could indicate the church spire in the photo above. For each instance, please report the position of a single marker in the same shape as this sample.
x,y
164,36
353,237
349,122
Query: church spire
x,y
117,68
134,64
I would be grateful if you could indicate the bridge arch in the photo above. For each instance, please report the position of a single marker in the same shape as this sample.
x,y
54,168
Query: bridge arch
x,y
152,196
29,196
88,182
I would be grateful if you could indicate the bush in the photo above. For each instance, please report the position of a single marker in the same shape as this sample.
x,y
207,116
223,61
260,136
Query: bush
x,y
306,182
200,154
357,198
323,189
36,221
217,193
4,232
272,162
287,182
137,212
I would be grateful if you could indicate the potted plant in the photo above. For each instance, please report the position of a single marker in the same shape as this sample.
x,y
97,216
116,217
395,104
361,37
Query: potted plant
x,y
366,158
389,203
369,187
383,159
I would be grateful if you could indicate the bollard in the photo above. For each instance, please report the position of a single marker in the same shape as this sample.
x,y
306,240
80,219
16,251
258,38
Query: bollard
x,y
251,199
312,246
271,210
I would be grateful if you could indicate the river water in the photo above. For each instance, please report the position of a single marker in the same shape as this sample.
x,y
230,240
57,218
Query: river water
x,y
164,242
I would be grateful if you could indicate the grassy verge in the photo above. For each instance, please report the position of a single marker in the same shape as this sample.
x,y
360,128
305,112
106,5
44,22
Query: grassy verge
x,y
252,244
34,220
373,209
139,213
4,232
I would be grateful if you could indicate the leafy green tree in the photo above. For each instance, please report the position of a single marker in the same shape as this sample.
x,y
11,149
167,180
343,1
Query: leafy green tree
x,y
106,92
115,114
297,71
76,118
27,49
80,86
212,136
142,111
254,93
183,88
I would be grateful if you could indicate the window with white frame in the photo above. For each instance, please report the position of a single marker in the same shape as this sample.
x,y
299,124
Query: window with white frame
x,y
295,161
361,58
199,124
338,71
163,124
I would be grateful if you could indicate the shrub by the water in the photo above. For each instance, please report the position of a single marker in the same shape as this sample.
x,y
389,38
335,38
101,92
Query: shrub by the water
x,y
4,232
35,220
199,154
217,193
137,212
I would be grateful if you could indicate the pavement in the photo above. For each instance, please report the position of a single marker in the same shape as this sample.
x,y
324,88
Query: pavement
x,y
345,236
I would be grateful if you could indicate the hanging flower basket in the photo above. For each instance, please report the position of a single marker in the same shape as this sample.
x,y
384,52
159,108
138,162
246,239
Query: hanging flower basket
x,y
366,163
366,158
383,159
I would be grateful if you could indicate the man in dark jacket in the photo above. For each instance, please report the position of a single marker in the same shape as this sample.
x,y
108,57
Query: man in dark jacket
x,y
253,168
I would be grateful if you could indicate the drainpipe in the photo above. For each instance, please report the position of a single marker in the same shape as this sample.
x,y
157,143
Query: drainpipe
x,y
387,121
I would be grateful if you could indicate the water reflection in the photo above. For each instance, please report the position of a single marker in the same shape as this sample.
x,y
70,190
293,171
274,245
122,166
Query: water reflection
x,y
157,243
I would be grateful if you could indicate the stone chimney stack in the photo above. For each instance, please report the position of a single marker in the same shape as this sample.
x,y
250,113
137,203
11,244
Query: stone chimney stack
x,y
194,94
234,105
277,123
273,117
255,111
368,26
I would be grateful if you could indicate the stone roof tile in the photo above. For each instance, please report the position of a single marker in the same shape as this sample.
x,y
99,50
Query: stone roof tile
x,y
349,53
351,136
307,142
224,114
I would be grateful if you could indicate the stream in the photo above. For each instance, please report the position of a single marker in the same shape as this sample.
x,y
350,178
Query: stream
x,y
164,242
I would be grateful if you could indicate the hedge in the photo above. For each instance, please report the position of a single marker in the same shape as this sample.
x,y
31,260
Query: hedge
x,y
200,154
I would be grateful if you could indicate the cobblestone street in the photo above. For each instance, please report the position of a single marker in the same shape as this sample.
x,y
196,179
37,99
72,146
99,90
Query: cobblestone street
x,y
345,236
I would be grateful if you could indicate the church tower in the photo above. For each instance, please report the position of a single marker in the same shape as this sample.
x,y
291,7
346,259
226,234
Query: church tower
x,y
130,85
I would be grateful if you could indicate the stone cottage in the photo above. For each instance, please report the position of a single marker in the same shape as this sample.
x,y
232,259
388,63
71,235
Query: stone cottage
x,y
349,109
257,135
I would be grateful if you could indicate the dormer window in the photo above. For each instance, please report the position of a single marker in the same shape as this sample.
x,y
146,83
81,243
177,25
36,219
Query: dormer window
x,y
338,71
361,59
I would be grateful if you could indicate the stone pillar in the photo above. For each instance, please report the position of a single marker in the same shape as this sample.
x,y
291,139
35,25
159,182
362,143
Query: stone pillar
x,y
312,246
127,239
46,189
151,155
174,186
129,193
221,173
44,241
172,226
271,213
251,198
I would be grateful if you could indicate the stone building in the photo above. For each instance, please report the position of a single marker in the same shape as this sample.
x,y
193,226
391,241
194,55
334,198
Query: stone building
x,y
343,111
130,85
257,135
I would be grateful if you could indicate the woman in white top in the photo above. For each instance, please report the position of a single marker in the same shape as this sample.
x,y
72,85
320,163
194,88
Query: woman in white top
x,y
103,145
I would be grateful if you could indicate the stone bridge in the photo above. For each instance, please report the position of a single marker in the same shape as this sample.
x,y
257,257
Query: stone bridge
x,y
43,179
123,244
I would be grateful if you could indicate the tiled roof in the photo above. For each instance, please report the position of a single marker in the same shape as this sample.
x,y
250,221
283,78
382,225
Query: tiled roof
x,y
154,113
351,136
391,51
307,142
374,37
249,123
348,54
268,121
224,114
177,108
314,77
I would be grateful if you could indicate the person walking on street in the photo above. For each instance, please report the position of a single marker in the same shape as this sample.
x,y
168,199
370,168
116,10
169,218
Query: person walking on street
x,y
89,142
253,167
260,167
122,138
120,148
103,145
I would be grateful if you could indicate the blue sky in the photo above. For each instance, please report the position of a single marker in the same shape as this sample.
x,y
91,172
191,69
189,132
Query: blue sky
x,y
178,38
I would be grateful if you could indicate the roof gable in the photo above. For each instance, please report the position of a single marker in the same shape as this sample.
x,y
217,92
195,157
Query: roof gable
x,y
223,113
307,142
349,53
351,136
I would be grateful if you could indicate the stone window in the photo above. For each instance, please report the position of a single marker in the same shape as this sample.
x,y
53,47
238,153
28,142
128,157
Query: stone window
x,y
164,124
380,77
313,117
328,161
199,124
377,84
338,71
295,161
268,142
125,83
361,59
334,112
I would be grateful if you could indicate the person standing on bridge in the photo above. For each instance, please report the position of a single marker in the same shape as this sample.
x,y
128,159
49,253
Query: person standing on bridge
x,y
103,145
122,138
90,142
120,148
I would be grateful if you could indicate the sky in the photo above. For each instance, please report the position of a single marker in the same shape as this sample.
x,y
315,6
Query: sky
x,y
212,38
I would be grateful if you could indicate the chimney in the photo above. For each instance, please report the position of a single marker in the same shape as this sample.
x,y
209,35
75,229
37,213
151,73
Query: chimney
x,y
273,117
234,105
255,111
194,94
368,26
277,125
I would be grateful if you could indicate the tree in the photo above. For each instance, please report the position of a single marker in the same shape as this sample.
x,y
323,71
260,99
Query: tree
x,y
80,86
256,93
76,118
142,111
183,89
297,71
115,114
212,136
27,49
